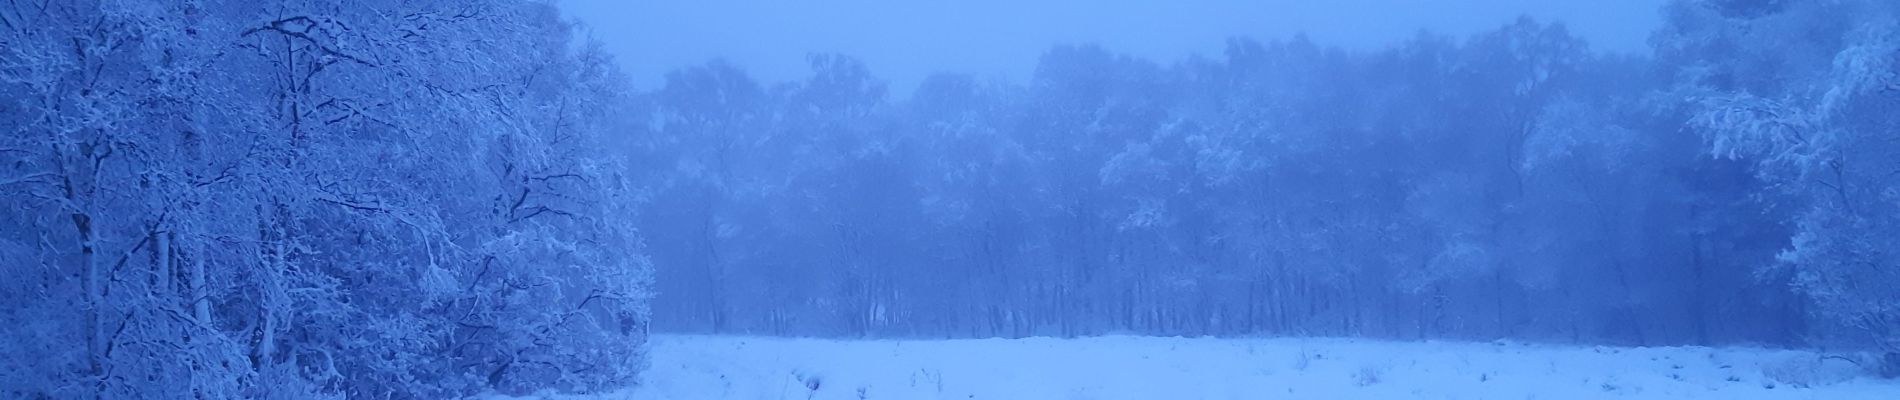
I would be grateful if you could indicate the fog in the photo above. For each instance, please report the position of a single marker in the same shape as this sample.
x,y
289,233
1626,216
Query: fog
x,y
855,199
904,41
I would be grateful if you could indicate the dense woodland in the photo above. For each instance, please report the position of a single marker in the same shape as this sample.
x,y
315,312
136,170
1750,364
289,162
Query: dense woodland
x,y
1739,184
286,199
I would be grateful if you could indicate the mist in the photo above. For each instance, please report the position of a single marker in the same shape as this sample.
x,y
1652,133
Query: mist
x,y
904,41
852,199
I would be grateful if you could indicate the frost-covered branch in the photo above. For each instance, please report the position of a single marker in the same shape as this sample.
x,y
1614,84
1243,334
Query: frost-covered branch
x,y
40,177
299,27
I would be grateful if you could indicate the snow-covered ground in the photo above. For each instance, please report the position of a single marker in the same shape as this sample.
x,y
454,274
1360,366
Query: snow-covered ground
x,y
715,367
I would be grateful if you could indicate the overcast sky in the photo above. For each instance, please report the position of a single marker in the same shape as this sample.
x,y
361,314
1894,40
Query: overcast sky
x,y
906,40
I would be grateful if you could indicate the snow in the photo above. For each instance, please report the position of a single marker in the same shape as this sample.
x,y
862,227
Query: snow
x,y
1127,367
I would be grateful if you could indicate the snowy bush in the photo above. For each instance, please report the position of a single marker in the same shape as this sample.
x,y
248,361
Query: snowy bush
x,y
1806,371
1368,375
1302,361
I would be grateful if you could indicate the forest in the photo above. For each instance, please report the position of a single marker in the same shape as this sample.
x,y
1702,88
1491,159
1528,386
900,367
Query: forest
x,y
1740,185
441,198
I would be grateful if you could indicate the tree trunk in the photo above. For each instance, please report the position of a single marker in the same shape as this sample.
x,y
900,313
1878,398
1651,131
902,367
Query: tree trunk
x,y
1700,314
1497,295
200,300
162,251
95,293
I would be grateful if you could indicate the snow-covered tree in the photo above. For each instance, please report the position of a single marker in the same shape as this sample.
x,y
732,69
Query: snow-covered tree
x,y
273,200
1817,120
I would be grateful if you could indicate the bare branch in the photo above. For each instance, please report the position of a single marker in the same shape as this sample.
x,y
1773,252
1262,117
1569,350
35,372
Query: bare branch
x,y
353,205
127,255
283,27
538,210
555,176
34,177
487,262
18,20
519,200
117,332
224,175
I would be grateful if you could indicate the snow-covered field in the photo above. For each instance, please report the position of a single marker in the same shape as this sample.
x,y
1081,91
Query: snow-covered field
x,y
715,367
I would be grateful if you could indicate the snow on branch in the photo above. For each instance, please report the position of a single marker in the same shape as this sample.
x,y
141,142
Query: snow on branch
x,y
299,27
1742,125
39,177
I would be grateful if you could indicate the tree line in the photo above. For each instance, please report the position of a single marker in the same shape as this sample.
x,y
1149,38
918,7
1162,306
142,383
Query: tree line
x,y
1734,185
